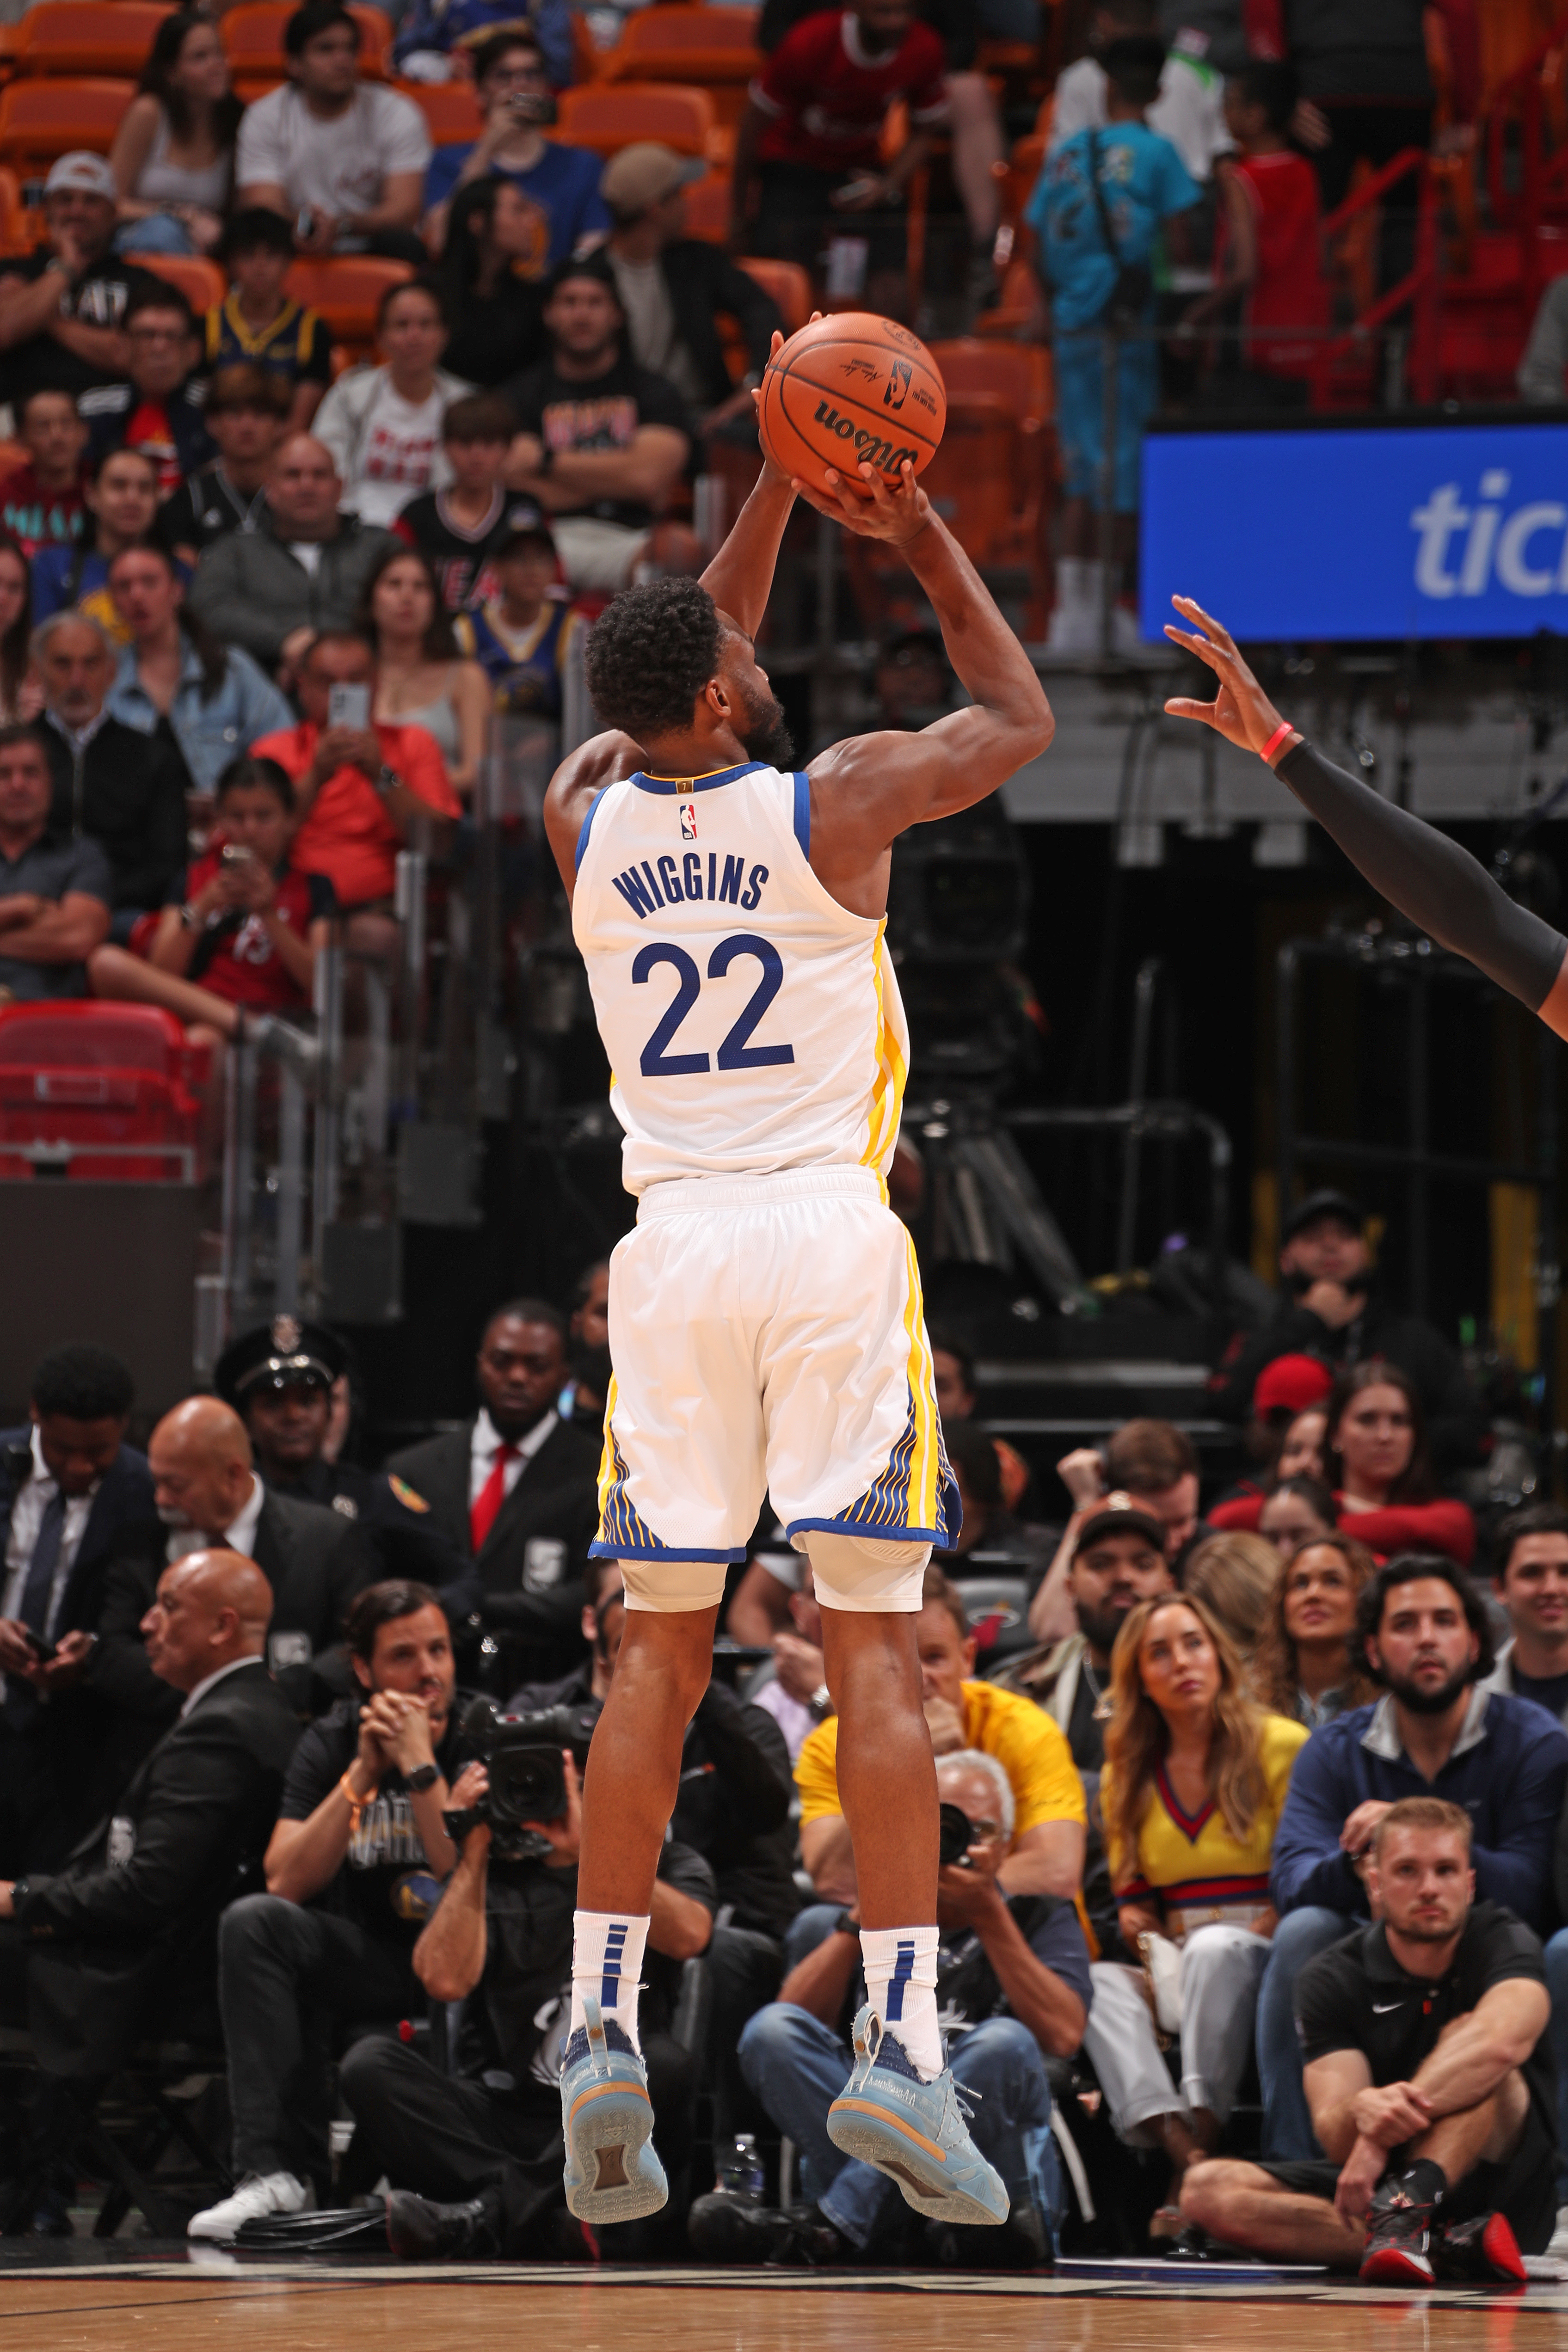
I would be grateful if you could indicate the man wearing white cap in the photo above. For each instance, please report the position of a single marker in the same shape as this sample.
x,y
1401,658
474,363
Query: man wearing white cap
x,y
61,308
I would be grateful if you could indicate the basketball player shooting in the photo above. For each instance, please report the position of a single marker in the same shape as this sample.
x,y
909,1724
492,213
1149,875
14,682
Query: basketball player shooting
x,y
1430,879
765,1318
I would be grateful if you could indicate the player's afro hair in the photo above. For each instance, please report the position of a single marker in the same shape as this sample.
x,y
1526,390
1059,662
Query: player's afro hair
x,y
650,654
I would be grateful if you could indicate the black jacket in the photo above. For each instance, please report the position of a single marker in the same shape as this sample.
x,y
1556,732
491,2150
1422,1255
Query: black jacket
x,y
1456,1424
704,282
128,791
396,1523
527,1578
126,1934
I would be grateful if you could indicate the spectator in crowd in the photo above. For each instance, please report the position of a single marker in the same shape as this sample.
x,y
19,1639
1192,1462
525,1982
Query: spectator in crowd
x,y
1268,261
1424,1633
159,408
122,496
953,1373
259,324
1337,1312
475,2154
172,156
1308,1663
1288,1387
810,141
562,183
421,678
120,1942
246,413
237,945
433,30
1188,109
1046,1856
673,288
54,886
991,1541
1305,1453
21,693
1428,2079
1102,201
1154,1462
521,636
1236,1576
590,1324
1297,1508
1193,1782
280,1378
460,529
382,424
360,792
300,570
41,503
343,158
797,1696
1530,1579
72,1494
62,309
1540,375
489,278
1013,1987
514,1491
1381,1471
122,789
603,442
1119,1559
354,1868
314,1560
214,700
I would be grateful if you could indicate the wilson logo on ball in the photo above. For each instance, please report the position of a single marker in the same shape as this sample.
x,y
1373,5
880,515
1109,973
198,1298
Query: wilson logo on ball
x,y
831,392
868,446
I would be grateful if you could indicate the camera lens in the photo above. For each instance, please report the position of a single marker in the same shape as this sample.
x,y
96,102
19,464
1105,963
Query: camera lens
x,y
957,1834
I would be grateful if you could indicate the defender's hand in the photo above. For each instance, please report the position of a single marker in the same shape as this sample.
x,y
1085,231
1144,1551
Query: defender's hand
x,y
1241,712
864,504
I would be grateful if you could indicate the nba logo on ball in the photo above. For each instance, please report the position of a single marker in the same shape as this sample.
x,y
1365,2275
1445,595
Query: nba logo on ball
x,y
688,820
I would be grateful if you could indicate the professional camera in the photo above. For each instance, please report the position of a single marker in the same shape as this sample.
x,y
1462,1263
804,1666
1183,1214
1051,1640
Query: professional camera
x,y
522,1755
957,1834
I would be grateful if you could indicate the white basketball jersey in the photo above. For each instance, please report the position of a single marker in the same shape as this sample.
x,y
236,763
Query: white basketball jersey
x,y
753,1023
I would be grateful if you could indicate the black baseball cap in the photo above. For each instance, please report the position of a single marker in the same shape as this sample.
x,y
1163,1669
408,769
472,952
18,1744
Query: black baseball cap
x,y
1120,1515
1326,1203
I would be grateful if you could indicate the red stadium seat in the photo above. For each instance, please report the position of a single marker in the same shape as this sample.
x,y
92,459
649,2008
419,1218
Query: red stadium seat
x,y
607,117
252,37
88,36
789,285
712,49
100,1090
451,109
202,283
346,291
42,119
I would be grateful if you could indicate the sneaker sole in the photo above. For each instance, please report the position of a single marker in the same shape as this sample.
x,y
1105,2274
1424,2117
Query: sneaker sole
x,y
1389,2266
1500,2248
909,2159
609,2126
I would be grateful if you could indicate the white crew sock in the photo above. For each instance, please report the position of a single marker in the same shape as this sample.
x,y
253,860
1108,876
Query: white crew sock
x,y
901,1984
607,1962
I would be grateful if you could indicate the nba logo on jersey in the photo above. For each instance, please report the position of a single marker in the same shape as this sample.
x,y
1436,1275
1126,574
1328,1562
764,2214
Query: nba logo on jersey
x,y
688,820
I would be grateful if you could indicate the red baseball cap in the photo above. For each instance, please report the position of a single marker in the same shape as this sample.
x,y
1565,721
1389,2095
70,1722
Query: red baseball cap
x,y
1292,1385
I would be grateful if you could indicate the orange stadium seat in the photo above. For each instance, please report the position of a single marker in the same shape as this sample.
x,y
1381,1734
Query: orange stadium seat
x,y
12,455
451,109
42,119
202,283
708,207
712,49
252,37
346,292
19,227
789,285
88,36
609,116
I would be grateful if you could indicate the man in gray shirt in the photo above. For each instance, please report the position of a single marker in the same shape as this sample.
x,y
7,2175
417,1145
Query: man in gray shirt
x,y
54,891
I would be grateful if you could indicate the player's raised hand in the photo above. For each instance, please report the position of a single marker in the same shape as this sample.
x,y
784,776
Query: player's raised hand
x,y
868,504
1241,712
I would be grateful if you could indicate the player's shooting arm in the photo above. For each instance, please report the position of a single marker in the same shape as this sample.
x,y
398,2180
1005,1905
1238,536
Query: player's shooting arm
x,y
741,577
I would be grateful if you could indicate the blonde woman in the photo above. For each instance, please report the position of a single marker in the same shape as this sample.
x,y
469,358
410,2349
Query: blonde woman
x,y
1194,1778
1302,1666
1237,1577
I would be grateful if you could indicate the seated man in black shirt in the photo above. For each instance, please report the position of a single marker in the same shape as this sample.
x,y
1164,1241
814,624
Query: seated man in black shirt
x,y
603,442
247,415
354,1870
474,2157
62,310
1530,1577
1428,2072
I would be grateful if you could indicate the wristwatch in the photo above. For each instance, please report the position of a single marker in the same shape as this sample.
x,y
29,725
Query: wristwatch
x,y
846,1924
189,918
387,780
821,1701
425,1775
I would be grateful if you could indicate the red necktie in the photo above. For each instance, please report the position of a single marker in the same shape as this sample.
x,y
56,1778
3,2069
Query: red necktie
x,y
491,1495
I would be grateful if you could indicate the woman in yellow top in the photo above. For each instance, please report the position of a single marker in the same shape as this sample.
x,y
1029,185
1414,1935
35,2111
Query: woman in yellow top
x,y
1193,1782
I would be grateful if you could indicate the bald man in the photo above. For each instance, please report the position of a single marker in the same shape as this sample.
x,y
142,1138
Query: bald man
x,y
122,1942
301,569
311,1560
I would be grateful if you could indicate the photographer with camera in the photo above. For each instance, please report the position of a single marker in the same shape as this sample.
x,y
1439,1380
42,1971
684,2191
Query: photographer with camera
x,y
354,1868
1013,1988
475,2154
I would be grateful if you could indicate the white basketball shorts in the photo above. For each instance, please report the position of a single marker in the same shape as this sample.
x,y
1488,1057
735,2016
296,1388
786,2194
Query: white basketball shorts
x,y
768,1337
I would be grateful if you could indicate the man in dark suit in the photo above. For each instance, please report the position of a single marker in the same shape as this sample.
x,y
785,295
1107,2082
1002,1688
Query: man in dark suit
x,y
94,1957
73,1496
515,1492
208,1496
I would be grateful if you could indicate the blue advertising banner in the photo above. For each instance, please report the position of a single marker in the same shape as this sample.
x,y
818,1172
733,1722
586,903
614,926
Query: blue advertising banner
x,y
1446,530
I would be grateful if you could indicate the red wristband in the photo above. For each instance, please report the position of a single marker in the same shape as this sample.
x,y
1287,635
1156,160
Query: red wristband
x,y
1278,736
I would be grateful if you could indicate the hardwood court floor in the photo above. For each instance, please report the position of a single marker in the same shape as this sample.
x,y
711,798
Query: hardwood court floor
x,y
310,2308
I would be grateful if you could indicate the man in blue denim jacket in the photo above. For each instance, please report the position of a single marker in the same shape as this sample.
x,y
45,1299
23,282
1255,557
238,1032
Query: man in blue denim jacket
x,y
218,700
1426,1638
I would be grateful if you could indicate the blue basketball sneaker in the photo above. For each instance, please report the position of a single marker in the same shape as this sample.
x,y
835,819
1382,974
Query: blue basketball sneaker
x,y
917,2133
606,2121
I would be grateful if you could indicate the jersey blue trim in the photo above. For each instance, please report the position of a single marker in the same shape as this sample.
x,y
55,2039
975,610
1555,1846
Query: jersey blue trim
x,y
846,1524
802,811
587,828
671,786
599,1549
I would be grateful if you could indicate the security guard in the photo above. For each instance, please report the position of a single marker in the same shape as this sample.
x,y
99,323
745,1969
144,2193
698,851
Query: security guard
x,y
278,1377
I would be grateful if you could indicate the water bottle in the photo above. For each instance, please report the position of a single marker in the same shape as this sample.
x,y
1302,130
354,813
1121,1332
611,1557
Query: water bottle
x,y
740,2170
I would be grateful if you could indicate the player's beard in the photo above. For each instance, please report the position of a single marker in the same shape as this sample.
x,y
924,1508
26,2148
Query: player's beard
x,y
766,734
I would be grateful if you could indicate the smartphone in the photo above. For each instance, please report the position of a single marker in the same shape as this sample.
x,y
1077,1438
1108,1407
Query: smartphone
x,y
348,706
235,853
43,1650
305,225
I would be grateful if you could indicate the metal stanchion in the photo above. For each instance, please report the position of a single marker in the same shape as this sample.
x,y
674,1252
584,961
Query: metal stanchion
x,y
328,1006
290,1187
409,903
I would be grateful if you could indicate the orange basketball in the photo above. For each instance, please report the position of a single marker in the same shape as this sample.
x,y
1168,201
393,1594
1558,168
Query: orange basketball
x,y
849,387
